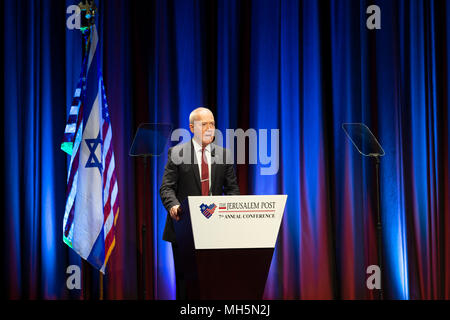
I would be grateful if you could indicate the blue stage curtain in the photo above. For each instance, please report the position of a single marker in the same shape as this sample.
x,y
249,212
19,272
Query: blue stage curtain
x,y
303,67
34,112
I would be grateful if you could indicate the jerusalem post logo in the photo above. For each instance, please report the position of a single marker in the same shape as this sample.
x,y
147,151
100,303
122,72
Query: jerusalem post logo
x,y
206,210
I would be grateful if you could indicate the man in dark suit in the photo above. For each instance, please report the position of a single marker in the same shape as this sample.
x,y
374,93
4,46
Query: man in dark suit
x,y
195,168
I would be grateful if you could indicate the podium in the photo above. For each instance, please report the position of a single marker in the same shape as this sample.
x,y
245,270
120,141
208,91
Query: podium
x,y
226,244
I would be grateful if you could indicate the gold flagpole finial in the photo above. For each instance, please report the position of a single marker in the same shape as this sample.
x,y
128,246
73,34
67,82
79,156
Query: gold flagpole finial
x,y
88,13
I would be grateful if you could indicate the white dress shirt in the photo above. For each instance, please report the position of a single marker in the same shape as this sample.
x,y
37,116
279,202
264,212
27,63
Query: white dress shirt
x,y
198,154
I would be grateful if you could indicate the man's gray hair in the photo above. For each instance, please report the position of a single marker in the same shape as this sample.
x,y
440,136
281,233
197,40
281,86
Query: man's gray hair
x,y
194,112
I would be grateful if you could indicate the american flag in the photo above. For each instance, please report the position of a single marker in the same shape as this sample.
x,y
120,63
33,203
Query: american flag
x,y
74,122
110,187
92,205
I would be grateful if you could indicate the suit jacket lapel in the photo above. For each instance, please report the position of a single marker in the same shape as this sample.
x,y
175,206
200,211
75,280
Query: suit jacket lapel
x,y
194,167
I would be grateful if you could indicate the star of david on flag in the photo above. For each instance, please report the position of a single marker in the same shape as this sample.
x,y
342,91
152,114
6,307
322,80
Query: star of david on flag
x,y
93,144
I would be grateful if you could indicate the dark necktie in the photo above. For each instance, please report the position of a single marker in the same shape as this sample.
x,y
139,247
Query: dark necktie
x,y
205,174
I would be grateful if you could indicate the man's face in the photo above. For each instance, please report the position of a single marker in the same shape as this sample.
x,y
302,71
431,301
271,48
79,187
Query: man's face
x,y
203,127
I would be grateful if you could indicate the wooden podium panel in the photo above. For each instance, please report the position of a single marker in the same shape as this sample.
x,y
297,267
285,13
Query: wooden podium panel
x,y
230,274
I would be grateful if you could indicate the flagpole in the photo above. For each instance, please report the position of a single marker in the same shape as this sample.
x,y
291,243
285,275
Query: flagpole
x,y
87,281
88,9
101,285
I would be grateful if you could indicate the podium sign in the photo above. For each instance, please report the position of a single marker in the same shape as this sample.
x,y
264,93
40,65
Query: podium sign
x,y
236,222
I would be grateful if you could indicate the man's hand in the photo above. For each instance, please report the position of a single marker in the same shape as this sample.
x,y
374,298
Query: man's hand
x,y
175,212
